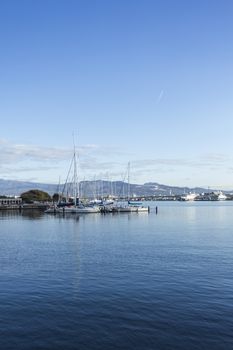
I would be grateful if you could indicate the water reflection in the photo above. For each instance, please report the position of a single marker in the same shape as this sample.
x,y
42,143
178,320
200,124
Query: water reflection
x,y
27,214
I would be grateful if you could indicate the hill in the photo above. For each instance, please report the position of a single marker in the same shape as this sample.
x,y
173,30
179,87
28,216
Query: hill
x,y
11,187
99,188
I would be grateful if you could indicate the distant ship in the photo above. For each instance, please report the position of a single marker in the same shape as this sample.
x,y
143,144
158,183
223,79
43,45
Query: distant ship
x,y
221,196
189,196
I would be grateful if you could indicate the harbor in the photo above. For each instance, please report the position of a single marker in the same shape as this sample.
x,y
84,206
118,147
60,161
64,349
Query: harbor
x,y
108,204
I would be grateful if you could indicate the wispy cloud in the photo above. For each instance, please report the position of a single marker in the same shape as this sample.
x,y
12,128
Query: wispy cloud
x,y
209,160
11,153
20,160
13,170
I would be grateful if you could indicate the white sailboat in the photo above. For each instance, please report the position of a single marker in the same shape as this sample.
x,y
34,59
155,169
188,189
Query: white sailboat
x,y
76,207
130,207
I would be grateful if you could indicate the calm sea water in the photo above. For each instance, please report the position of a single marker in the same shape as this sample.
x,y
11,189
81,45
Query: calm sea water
x,y
123,281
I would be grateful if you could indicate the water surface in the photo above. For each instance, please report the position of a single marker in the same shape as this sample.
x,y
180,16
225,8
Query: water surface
x,y
123,281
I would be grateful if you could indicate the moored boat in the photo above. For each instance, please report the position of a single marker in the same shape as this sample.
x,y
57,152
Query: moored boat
x,y
79,209
130,209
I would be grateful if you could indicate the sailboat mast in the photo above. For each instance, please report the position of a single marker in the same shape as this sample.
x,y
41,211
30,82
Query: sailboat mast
x,y
128,181
76,184
59,194
75,179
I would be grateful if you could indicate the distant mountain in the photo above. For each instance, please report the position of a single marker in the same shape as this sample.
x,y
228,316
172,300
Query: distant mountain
x,y
11,187
120,188
99,188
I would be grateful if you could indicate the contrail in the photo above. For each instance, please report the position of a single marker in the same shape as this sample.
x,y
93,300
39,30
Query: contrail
x,y
160,97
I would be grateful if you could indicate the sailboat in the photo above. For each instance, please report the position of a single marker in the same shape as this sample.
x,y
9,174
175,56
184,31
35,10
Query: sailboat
x,y
131,207
75,206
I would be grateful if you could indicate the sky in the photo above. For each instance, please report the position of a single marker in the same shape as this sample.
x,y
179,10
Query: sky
x,y
148,82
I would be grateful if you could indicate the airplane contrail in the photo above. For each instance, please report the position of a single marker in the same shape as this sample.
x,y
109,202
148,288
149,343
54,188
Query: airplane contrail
x,y
160,97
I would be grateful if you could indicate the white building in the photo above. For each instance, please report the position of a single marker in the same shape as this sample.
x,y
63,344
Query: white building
x,y
10,201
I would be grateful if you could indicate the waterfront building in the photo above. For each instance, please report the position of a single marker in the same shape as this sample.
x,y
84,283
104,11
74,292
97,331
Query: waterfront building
x,y
9,201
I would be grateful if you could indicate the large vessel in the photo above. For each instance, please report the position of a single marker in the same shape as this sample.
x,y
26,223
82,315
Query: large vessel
x,y
189,196
221,196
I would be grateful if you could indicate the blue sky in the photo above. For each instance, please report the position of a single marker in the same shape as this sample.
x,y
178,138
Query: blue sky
x,y
150,82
